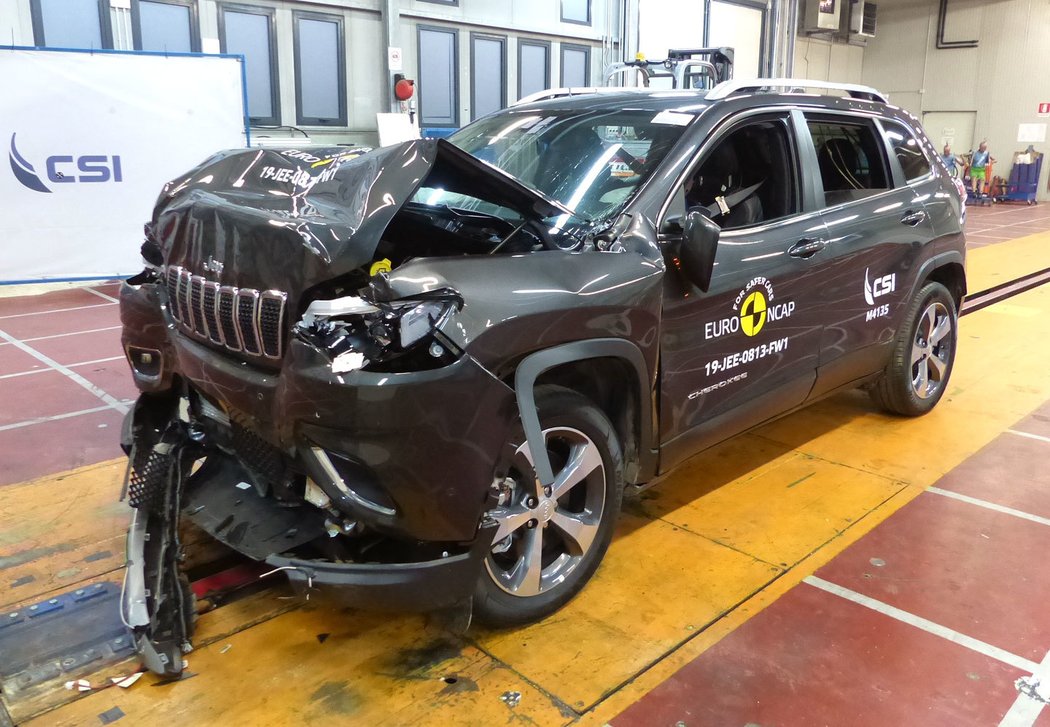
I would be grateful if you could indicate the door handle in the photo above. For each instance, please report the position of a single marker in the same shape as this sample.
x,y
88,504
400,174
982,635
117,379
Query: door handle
x,y
807,248
913,218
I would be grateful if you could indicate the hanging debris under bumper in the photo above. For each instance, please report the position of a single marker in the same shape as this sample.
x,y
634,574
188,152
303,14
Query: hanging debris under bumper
x,y
183,467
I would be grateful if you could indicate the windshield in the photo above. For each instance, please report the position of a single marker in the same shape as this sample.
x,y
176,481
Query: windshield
x,y
590,161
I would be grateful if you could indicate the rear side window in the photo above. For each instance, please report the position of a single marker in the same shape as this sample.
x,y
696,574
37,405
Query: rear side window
x,y
852,164
913,160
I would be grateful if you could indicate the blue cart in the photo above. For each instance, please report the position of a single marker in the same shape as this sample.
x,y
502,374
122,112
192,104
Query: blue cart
x,y
1024,178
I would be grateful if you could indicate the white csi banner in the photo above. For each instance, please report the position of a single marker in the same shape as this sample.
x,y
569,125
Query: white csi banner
x,y
91,139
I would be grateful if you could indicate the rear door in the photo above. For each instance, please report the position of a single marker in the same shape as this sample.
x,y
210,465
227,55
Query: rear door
x,y
746,350
877,223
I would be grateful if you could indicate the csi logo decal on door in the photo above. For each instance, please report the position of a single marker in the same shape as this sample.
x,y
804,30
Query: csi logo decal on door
x,y
877,288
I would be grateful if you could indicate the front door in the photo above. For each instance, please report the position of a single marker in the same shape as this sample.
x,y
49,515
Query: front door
x,y
746,349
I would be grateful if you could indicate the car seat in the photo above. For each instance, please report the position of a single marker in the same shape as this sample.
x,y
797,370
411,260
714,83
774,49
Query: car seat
x,y
720,177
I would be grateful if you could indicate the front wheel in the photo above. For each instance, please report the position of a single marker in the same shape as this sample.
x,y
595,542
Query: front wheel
x,y
923,355
551,539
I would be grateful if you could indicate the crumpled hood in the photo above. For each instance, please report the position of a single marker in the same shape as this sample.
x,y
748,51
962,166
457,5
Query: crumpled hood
x,y
289,219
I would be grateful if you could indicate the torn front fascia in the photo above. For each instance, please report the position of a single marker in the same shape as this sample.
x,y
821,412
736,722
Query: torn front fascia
x,y
157,602
377,333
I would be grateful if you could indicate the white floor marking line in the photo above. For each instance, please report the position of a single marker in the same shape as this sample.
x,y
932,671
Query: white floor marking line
x,y
110,298
1027,708
71,333
95,361
72,366
990,505
1029,435
993,652
72,375
56,310
25,373
53,418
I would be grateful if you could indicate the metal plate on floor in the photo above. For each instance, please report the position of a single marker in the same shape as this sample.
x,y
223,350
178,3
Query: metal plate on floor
x,y
60,635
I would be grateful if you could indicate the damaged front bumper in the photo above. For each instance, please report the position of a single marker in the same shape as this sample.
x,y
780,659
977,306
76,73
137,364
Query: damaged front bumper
x,y
330,478
180,477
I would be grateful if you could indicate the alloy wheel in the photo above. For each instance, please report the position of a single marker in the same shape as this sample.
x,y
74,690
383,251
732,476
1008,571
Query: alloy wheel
x,y
931,351
544,533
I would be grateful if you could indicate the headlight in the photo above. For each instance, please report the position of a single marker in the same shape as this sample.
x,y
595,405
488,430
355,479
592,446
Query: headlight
x,y
419,321
357,334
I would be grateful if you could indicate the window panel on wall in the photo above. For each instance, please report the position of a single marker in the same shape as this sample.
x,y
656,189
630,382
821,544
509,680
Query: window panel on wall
x,y
575,65
71,23
534,66
576,11
169,26
438,66
249,32
488,74
320,79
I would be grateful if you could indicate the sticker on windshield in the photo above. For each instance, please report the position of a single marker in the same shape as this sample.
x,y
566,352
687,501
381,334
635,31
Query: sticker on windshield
x,y
674,118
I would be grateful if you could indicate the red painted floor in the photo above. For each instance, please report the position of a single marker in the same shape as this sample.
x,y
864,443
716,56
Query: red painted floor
x,y
987,225
816,659
48,422
941,571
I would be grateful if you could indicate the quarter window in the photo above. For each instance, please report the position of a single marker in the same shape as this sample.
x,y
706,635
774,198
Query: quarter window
x,y
851,164
249,32
913,160
168,26
71,23
319,77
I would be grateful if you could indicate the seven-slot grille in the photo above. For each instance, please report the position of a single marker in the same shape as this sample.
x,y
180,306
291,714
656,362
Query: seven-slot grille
x,y
241,319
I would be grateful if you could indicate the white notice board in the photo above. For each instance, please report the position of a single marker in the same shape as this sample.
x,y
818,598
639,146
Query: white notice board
x,y
91,138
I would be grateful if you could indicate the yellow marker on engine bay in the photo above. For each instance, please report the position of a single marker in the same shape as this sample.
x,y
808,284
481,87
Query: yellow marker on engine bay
x,y
380,266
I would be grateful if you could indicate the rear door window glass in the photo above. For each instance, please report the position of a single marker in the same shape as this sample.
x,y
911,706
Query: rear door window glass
x,y
851,160
913,160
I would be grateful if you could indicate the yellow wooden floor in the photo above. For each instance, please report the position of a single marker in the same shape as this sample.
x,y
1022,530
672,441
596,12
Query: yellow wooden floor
x,y
694,558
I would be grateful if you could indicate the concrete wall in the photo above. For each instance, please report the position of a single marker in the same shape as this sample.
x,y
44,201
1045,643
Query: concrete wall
x,y
822,60
997,85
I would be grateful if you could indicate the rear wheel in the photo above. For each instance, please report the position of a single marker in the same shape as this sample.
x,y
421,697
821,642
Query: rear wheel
x,y
923,355
551,540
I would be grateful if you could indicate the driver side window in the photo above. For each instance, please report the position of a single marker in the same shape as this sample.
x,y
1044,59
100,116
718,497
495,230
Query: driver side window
x,y
749,177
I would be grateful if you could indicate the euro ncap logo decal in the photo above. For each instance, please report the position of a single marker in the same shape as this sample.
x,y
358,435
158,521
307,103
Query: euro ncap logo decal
x,y
753,313
24,171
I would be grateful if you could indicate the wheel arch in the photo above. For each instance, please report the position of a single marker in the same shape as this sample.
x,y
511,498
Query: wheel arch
x,y
948,270
613,374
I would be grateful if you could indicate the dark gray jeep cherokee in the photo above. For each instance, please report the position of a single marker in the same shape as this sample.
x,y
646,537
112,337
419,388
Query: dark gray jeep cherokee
x,y
423,375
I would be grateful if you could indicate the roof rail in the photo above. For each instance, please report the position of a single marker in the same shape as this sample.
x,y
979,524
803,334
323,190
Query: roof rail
x,y
550,93
738,85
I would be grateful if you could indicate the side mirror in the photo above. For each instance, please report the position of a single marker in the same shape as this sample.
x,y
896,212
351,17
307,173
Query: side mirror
x,y
699,245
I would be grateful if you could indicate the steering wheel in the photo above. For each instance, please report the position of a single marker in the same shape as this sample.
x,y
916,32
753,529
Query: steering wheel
x,y
543,232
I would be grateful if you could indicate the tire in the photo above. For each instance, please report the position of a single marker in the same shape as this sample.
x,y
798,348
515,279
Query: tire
x,y
509,592
919,369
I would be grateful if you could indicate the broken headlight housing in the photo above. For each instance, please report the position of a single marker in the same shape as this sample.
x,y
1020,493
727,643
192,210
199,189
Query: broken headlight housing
x,y
395,336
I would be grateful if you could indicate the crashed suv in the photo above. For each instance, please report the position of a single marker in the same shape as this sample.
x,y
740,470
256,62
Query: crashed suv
x,y
423,375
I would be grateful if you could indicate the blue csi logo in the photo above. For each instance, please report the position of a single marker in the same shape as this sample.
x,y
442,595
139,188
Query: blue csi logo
x,y
65,169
